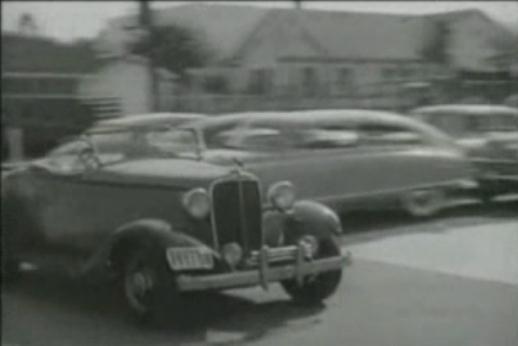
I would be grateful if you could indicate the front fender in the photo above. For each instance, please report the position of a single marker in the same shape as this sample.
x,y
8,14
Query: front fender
x,y
306,217
154,232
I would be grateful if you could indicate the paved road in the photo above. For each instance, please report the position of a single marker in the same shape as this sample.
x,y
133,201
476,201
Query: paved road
x,y
452,280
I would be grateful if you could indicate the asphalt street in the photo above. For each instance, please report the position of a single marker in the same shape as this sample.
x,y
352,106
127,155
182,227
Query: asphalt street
x,y
450,280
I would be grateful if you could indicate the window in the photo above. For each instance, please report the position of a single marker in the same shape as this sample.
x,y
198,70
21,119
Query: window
x,y
345,79
388,135
405,72
330,137
55,85
388,72
216,84
13,85
309,81
260,81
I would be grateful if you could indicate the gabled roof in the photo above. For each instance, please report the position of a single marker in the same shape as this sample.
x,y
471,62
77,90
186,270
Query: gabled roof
x,y
40,54
342,34
335,34
223,27
359,35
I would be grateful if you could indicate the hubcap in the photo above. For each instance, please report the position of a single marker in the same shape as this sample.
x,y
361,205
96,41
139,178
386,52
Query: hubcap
x,y
138,285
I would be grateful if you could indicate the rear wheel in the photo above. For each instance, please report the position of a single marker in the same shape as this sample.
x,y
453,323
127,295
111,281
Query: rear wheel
x,y
423,202
314,289
149,286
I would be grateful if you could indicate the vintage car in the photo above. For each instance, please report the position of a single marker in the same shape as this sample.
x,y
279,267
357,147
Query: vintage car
x,y
343,158
155,217
489,135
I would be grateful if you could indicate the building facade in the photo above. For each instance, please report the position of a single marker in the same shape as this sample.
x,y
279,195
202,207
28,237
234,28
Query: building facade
x,y
348,58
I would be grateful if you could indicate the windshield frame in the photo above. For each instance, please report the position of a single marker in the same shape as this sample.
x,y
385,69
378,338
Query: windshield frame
x,y
87,137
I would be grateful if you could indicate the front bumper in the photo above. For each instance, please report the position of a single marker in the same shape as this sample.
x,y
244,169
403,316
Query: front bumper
x,y
262,275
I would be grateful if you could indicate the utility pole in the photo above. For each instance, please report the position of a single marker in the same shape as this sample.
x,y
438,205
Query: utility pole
x,y
146,22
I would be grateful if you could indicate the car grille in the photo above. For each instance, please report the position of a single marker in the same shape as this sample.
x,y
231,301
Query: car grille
x,y
237,213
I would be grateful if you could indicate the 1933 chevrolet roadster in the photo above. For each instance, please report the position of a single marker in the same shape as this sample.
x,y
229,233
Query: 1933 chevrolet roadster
x,y
164,222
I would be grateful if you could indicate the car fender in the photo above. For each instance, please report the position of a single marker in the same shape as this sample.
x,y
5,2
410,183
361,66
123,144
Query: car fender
x,y
306,217
155,232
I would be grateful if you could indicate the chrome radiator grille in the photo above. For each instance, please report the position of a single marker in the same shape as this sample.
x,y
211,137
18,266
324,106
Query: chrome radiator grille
x,y
237,213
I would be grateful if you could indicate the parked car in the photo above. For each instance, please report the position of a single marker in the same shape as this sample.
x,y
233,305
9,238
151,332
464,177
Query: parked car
x,y
344,158
489,134
154,216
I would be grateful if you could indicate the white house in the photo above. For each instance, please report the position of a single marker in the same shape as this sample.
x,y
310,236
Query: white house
x,y
121,86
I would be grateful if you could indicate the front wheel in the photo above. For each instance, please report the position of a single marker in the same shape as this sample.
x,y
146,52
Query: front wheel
x,y
149,286
424,202
314,289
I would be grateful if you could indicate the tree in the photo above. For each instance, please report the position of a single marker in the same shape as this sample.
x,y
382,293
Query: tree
x,y
436,46
173,47
27,25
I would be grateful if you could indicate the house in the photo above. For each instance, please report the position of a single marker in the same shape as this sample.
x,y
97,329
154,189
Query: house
x,y
52,89
315,54
122,85
279,51
39,100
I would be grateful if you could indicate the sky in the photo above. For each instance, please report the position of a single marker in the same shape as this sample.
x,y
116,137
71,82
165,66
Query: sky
x,y
84,19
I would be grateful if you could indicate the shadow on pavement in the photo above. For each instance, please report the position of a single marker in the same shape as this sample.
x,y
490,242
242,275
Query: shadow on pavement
x,y
210,317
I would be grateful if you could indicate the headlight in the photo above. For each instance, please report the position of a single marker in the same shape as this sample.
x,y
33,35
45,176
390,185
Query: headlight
x,y
232,254
282,195
197,203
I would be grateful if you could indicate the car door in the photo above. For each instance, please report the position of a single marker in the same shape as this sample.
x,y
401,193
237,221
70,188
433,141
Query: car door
x,y
312,158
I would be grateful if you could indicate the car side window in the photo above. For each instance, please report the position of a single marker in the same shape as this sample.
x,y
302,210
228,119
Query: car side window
x,y
329,137
256,138
382,135
217,136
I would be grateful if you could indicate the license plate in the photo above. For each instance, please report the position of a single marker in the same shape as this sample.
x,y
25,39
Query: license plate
x,y
189,258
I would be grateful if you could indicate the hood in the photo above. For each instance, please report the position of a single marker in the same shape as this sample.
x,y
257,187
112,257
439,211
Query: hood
x,y
166,172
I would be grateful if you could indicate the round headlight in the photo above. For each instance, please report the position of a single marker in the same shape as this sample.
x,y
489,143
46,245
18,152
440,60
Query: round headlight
x,y
232,254
282,195
197,203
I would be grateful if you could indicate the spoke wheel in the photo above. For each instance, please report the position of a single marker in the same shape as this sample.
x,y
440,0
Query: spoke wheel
x,y
139,282
150,287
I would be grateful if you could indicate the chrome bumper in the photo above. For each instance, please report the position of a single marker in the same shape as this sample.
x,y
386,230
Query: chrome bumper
x,y
262,275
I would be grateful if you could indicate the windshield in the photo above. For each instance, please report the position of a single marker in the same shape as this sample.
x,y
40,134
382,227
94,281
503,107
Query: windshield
x,y
128,144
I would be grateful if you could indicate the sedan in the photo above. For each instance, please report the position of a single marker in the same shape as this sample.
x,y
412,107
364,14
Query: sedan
x,y
342,157
489,135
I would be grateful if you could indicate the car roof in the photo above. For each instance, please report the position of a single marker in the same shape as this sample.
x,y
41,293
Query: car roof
x,y
149,119
303,116
482,109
